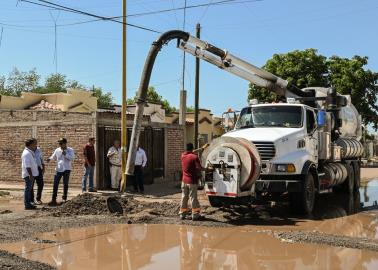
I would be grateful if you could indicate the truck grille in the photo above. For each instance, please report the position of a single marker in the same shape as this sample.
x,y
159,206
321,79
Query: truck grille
x,y
267,150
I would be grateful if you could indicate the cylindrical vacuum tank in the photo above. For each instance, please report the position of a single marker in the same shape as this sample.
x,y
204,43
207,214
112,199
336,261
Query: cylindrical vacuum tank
x,y
247,152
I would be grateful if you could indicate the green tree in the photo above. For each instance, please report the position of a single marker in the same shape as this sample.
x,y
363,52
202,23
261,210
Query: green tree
x,y
21,81
55,83
300,68
74,84
153,96
104,100
308,68
190,109
349,77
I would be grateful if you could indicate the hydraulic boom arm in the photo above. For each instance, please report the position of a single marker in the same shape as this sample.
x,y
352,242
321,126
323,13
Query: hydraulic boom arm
x,y
214,55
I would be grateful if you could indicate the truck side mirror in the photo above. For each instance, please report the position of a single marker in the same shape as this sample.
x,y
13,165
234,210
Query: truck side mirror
x,y
321,118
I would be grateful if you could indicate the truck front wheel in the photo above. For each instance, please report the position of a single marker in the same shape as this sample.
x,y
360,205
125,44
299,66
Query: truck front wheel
x,y
304,201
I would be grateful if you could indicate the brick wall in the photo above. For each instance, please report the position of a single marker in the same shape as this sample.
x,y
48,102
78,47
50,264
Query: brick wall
x,y
47,127
175,147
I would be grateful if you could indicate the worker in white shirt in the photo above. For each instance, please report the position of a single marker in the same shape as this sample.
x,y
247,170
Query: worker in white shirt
x,y
63,156
39,179
115,160
140,164
29,171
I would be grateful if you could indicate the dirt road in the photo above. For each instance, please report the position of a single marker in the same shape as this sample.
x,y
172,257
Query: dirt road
x,y
338,221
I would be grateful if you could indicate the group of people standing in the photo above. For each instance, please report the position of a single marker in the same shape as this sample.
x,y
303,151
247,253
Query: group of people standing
x,y
33,169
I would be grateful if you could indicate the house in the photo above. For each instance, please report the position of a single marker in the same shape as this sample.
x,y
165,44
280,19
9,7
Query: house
x,y
209,126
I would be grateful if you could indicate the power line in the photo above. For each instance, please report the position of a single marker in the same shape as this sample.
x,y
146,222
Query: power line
x,y
1,35
55,19
205,11
222,2
76,11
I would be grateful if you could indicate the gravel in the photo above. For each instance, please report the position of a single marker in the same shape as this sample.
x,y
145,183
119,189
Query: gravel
x,y
10,261
327,239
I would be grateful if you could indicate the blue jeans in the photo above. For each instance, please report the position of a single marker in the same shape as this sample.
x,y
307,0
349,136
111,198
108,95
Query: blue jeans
x,y
28,191
88,172
57,177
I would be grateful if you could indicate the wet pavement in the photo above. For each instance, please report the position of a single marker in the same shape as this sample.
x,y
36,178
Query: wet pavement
x,y
341,234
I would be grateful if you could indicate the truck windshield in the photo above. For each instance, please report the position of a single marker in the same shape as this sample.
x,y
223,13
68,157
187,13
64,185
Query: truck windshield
x,y
270,116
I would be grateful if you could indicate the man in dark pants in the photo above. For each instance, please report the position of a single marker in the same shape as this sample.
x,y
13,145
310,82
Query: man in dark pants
x,y
89,165
140,163
29,171
63,156
39,178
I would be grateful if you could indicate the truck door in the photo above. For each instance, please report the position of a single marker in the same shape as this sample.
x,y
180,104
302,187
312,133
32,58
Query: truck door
x,y
312,135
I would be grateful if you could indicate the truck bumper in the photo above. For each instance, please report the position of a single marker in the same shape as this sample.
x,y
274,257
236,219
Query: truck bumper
x,y
278,183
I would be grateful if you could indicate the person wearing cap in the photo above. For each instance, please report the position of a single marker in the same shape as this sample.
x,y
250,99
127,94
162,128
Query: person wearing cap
x,y
89,165
29,171
115,161
39,179
63,156
191,169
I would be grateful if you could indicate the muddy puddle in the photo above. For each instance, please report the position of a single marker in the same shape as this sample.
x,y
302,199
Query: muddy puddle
x,y
182,247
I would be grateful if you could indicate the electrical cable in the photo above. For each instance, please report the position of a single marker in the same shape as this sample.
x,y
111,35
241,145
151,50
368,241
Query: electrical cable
x,y
76,11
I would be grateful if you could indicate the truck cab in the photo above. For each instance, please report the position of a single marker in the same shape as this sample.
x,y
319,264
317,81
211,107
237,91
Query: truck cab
x,y
286,137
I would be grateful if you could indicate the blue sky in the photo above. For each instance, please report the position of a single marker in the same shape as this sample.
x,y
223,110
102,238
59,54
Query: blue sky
x,y
91,53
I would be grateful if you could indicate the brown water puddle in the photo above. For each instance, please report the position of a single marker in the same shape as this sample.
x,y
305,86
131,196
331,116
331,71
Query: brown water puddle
x,y
183,247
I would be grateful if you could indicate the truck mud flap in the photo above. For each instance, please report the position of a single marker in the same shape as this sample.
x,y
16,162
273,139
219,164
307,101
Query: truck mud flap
x,y
278,186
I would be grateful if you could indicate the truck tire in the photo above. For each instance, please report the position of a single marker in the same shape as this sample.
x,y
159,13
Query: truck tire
x,y
304,201
348,185
215,201
357,175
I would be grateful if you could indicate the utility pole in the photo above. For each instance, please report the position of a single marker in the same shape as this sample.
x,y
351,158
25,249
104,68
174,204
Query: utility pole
x,y
124,102
196,94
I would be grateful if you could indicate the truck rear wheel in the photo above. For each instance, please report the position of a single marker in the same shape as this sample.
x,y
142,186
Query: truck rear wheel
x,y
357,175
304,201
215,201
349,183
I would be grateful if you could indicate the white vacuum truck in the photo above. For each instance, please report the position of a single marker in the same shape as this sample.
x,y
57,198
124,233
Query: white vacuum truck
x,y
305,145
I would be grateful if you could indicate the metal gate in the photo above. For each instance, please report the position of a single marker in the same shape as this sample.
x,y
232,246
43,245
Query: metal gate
x,y
151,140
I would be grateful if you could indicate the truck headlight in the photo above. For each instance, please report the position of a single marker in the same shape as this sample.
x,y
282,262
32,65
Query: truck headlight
x,y
290,168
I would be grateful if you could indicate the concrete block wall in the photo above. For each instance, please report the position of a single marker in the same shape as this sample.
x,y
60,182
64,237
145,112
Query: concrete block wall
x,y
47,127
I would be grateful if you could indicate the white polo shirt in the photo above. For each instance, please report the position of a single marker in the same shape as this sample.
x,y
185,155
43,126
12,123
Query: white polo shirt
x,y
141,158
28,161
63,162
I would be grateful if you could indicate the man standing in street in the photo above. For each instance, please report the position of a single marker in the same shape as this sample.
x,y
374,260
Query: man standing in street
x,y
115,160
191,169
89,165
63,156
140,164
29,171
39,178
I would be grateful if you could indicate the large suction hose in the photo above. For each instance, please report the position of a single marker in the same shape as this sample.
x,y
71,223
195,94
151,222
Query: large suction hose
x,y
142,92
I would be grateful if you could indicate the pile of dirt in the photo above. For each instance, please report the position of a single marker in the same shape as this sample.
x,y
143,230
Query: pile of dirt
x,y
10,261
327,239
95,204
